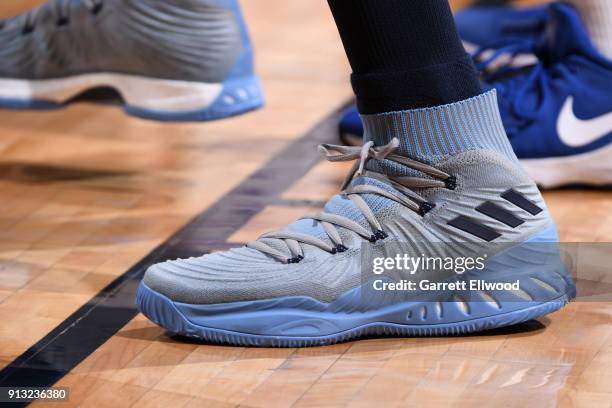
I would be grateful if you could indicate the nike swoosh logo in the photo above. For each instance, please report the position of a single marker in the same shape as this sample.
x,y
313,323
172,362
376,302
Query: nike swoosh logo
x,y
576,132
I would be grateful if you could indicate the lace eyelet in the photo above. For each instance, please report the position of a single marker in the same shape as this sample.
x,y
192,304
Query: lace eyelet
x,y
426,207
451,183
27,30
377,236
295,260
339,249
97,8
380,234
62,21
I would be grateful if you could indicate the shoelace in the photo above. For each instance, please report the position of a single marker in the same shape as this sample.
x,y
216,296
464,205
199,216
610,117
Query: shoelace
x,y
62,12
515,43
516,82
330,222
539,79
510,47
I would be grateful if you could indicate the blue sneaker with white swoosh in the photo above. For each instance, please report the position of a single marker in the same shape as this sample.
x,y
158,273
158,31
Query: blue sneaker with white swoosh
x,y
491,31
558,113
496,36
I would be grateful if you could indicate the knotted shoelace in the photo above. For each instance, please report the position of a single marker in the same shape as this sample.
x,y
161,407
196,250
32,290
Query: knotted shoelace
x,y
294,241
62,13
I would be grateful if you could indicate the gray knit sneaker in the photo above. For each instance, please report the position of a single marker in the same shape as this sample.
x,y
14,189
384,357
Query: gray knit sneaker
x,y
311,284
168,59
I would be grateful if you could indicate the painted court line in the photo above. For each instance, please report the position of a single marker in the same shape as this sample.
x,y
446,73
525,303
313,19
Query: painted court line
x,y
56,354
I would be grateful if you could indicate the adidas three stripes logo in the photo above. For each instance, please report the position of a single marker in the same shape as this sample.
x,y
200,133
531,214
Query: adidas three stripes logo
x,y
497,213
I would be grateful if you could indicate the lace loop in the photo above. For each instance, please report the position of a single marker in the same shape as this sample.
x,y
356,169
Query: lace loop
x,y
517,82
538,79
401,194
489,54
61,10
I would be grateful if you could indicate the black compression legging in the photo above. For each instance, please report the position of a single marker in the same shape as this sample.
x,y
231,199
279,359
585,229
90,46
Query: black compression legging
x,y
405,54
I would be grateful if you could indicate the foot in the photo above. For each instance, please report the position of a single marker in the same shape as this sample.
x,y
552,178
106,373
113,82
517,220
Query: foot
x,y
169,60
496,36
487,30
351,127
558,113
310,283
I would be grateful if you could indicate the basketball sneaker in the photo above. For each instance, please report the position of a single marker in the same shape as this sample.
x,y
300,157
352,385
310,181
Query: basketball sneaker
x,y
487,30
168,59
310,284
350,127
558,113
496,36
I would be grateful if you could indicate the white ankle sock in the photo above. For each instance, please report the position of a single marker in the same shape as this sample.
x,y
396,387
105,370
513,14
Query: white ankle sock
x,y
597,15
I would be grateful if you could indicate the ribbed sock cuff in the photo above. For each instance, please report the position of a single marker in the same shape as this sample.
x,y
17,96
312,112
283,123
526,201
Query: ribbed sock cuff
x,y
426,134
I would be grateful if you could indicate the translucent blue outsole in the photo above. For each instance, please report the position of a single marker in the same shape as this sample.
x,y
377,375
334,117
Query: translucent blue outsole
x,y
167,314
299,321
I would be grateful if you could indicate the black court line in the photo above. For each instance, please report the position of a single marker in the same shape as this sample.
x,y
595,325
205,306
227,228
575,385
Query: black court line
x,y
56,354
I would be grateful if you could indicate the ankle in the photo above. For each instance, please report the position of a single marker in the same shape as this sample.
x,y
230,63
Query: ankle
x,y
430,133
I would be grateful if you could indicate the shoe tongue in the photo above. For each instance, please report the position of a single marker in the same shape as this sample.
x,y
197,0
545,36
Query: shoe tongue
x,y
565,35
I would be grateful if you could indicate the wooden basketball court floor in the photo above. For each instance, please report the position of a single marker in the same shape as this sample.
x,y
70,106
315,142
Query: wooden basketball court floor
x,y
87,194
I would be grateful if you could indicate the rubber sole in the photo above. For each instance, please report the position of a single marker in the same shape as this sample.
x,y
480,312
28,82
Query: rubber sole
x,y
593,169
161,310
148,98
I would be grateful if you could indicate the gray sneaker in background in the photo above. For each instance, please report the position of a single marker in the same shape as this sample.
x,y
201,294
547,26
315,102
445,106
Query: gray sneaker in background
x,y
168,59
